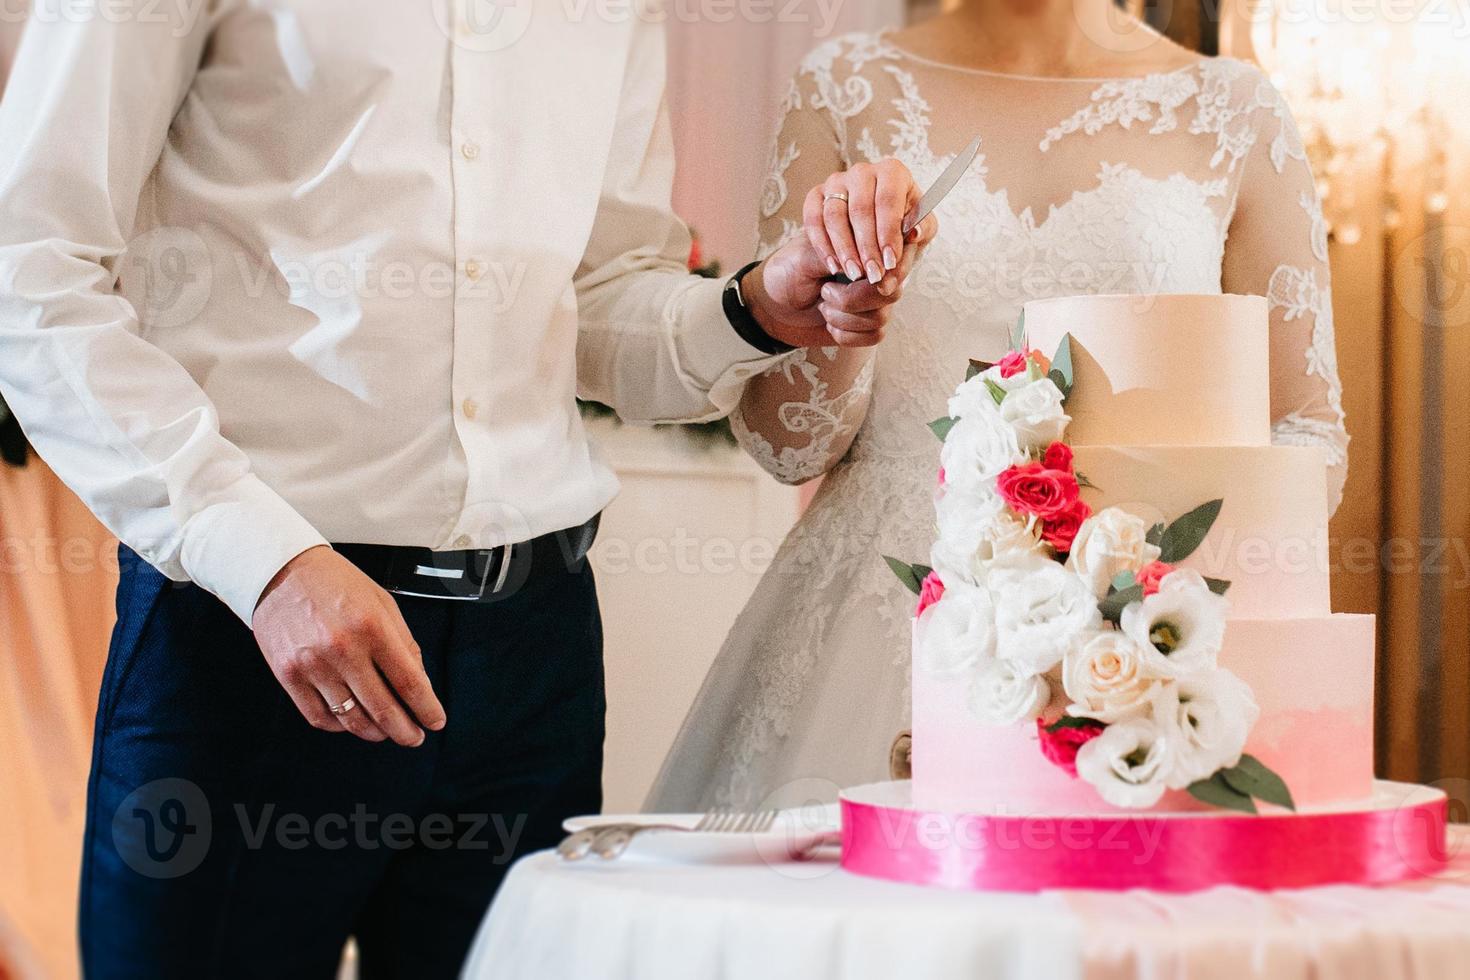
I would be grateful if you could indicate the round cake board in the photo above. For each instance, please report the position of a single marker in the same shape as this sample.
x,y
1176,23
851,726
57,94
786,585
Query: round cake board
x,y
1397,835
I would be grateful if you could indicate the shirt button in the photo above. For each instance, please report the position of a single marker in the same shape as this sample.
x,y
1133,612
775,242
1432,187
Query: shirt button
x,y
470,149
472,269
471,409
462,542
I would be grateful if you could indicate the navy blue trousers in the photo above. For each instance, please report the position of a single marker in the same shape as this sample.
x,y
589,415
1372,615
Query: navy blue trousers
x,y
226,837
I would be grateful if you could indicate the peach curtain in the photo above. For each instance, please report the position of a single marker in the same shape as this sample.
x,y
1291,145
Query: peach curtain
x,y
1401,541
58,571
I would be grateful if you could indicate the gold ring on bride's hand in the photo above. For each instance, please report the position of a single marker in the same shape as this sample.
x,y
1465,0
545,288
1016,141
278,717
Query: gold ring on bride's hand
x,y
835,197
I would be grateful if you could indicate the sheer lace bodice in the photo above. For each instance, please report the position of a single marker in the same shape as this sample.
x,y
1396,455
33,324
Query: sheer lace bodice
x,y
1188,181
1193,180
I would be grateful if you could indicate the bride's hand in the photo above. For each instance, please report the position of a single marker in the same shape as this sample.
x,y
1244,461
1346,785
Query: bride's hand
x,y
793,295
855,219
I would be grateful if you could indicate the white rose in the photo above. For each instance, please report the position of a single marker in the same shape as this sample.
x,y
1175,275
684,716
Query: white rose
x,y
1034,410
1109,542
1181,626
1041,610
1127,763
975,529
958,631
1212,715
1001,694
974,397
1107,678
978,449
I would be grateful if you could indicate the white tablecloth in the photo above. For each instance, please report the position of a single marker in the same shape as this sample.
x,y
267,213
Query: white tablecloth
x,y
809,921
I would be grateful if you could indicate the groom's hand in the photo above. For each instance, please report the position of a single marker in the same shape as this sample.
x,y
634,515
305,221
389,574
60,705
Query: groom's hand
x,y
330,633
853,227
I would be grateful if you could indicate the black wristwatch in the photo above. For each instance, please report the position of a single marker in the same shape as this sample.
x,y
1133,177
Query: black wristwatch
x,y
744,323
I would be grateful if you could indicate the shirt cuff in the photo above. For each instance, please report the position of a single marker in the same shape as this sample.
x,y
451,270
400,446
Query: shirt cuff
x,y
712,353
234,548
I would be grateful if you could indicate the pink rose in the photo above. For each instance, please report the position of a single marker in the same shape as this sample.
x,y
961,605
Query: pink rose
x,y
1060,745
941,476
1058,457
930,592
1150,575
1061,531
1012,364
1033,488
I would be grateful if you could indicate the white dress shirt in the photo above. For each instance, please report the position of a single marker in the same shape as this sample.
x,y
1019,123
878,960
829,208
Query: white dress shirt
x,y
281,272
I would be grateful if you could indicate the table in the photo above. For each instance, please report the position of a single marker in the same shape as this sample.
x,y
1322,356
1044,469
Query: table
x,y
811,920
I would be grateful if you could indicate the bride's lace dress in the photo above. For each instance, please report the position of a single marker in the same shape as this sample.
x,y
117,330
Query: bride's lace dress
x,y
1193,181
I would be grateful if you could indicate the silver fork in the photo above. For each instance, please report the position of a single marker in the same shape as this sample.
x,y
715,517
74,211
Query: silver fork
x,y
609,841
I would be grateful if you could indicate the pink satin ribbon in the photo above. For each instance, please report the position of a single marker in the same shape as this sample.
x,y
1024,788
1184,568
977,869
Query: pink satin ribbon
x,y
1370,846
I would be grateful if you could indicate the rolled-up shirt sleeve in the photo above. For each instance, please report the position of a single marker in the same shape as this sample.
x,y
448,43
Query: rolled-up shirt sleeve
x,y
653,340
84,119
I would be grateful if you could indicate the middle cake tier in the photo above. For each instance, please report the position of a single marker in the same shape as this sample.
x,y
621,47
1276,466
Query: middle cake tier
x,y
1270,540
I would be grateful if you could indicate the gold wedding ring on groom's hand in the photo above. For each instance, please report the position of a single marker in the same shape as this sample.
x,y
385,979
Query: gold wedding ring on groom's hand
x,y
343,708
835,197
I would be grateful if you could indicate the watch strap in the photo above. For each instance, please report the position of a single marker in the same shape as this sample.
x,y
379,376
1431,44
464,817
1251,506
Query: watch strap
x,y
743,322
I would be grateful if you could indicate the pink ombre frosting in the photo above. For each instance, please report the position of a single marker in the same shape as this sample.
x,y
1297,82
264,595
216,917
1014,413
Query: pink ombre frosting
x,y
1312,678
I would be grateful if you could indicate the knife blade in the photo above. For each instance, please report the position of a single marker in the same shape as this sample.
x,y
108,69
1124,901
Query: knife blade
x,y
940,189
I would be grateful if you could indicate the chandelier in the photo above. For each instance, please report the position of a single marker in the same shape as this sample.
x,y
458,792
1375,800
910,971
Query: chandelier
x,y
1378,88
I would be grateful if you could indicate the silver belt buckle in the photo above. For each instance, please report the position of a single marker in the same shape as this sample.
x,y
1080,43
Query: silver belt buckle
x,y
458,583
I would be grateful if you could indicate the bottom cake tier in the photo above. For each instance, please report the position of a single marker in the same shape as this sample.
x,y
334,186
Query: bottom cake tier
x,y
1311,677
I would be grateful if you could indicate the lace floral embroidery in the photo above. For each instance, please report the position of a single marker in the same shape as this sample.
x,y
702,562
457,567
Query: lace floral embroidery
x,y
822,420
1152,97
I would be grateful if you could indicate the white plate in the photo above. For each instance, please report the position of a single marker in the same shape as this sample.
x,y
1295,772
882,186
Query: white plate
x,y
795,834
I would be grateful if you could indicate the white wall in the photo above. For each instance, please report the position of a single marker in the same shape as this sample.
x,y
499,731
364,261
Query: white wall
x,y
679,553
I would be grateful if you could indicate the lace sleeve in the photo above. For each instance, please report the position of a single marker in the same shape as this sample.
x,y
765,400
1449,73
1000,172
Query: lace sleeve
x,y
1278,248
798,418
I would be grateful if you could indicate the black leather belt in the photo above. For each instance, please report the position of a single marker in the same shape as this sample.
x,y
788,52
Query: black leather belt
x,y
476,575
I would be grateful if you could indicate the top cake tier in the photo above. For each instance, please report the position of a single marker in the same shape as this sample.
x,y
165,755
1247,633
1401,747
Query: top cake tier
x,y
1166,370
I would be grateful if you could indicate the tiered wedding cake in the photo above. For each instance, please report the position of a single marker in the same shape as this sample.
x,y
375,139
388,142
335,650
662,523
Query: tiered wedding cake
x,y
1169,409
1126,671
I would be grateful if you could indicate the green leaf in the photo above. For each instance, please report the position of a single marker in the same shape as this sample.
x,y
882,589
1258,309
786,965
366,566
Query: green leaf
x,y
1083,481
1123,580
1155,534
977,367
1219,586
1253,778
1112,607
1018,335
1217,792
921,572
906,574
1182,537
1071,721
996,391
941,427
1061,366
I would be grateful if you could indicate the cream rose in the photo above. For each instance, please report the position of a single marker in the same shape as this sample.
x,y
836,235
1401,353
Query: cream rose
x,y
1127,763
957,632
1181,627
1107,678
1109,542
1001,694
1041,610
1034,411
